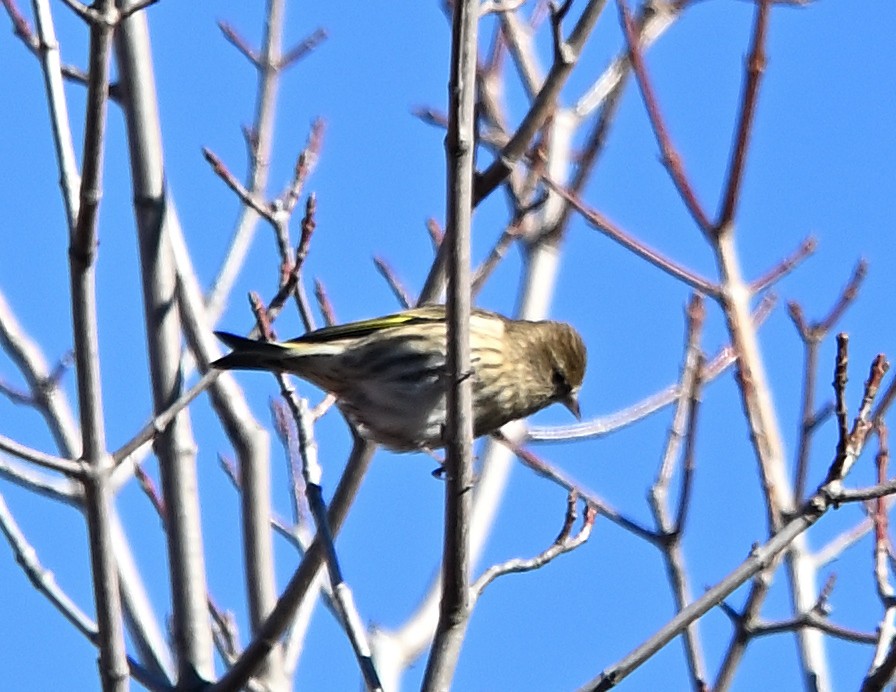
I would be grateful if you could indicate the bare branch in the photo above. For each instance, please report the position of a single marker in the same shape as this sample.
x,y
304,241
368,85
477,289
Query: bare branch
x,y
567,53
754,70
550,472
260,136
281,616
455,606
238,42
245,195
671,157
601,223
45,583
785,266
68,467
862,425
302,49
398,290
113,664
564,543
761,557
305,164
847,297
840,371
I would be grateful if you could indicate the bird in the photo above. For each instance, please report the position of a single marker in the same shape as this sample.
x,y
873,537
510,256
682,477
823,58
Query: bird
x,y
389,373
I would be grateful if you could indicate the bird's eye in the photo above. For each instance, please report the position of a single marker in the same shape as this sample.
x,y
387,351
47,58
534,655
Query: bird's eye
x,y
559,381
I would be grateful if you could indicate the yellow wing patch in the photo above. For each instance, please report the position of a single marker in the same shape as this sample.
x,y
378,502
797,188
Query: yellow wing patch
x,y
430,313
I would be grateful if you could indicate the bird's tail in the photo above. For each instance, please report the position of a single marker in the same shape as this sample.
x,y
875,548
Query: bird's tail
x,y
249,354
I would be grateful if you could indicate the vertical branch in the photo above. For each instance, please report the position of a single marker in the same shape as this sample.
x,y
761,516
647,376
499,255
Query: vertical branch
x,y
765,436
755,68
542,265
174,446
250,441
82,268
460,148
755,391
808,417
62,135
672,528
566,55
883,664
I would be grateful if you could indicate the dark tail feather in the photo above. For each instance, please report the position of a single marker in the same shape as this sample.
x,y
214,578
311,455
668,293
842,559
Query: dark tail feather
x,y
249,354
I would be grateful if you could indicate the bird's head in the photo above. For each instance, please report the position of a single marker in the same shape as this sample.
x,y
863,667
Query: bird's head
x,y
567,358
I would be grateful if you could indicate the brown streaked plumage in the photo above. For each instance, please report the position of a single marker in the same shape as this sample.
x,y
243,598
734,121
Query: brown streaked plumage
x,y
388,372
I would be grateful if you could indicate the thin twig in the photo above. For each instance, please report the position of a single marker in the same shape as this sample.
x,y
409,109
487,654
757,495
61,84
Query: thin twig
x,y
671,157
811,336
294,592
260,139
603,224
302,48
862,424
564,543
45,583
601,506
761,557
606,425
245,195
755,68
785,266
398,290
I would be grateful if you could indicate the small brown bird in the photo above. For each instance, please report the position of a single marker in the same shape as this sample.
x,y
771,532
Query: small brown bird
x,y
388,373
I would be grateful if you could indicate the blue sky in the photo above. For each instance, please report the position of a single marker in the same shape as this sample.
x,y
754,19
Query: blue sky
x,y
823,163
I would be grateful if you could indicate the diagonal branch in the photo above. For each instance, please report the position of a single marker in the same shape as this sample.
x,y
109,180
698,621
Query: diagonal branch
x,y
671,157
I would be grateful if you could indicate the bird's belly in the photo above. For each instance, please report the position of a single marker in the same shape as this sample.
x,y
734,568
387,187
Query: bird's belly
x,y
404,419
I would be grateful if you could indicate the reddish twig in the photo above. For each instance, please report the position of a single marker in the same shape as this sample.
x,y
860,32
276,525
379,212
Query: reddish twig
x,y
785,266
245,195
849,294
323,302
840,378
305,163
308,225
497,253
670,156
398,289
21,27
608,228
239,42
148,486
755,68
436,233
881,520
262,318
302,48
548,471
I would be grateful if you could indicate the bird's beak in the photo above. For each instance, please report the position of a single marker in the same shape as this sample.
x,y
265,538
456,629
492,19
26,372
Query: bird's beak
x,y
571,401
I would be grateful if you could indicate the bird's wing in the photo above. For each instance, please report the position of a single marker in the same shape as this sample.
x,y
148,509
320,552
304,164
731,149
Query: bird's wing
x,y
429,313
